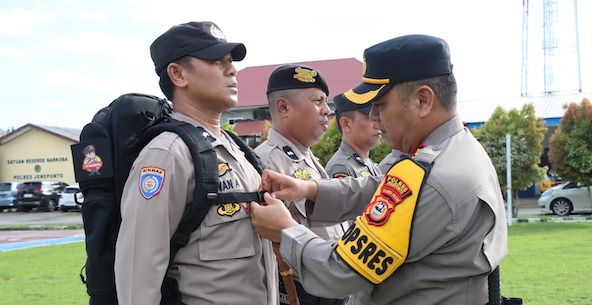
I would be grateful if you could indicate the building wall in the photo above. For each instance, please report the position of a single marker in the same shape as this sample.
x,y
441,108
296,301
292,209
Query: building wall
x,y
37,155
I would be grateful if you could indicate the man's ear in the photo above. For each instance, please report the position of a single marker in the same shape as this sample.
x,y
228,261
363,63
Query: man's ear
x,y
282,105
425,96
176,74
345,124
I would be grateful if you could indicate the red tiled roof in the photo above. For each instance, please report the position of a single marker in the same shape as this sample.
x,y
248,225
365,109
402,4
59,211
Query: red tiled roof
x,y
341,74
249,128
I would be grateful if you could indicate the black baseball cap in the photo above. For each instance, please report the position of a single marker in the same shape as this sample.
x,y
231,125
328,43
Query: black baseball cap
x,y
398,60
203,40
343,104
296,77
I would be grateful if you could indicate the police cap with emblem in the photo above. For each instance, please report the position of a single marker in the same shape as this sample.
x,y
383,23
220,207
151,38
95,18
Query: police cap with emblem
x,y
296,77
342,104
203,40
398,60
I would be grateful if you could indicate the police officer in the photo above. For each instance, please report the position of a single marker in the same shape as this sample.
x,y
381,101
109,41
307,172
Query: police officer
x,y
433,228
297,97
359,135
225,261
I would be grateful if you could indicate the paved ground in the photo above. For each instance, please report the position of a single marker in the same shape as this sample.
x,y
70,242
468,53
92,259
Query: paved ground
x,y
7,237
40,218
530,202
32,237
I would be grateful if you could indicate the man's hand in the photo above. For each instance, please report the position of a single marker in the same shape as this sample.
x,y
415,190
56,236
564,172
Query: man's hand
x,y
270,219
288,188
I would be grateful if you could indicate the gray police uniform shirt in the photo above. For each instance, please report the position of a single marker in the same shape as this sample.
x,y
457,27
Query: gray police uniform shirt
x,y
389,160
282,156
347,162
225,261
458,235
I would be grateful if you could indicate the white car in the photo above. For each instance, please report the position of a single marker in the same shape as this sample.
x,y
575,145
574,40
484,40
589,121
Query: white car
x,y
69,198
566,198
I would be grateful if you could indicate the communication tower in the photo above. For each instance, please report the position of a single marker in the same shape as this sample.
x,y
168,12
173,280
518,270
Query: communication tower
x,y
550,47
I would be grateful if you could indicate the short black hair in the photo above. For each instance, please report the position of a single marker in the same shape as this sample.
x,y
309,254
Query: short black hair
x,y
348,114
444,86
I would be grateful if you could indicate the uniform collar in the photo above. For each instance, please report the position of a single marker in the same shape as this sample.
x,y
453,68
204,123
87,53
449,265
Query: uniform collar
x,y
347,150
299,152
435,142
207,134
444,131
350,152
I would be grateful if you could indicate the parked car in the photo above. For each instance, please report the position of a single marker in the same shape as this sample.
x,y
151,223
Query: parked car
x,y
566,198
8,192
39,194
71,198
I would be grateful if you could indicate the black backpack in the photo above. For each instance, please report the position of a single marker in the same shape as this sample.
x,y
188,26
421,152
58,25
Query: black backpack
x,y
102,159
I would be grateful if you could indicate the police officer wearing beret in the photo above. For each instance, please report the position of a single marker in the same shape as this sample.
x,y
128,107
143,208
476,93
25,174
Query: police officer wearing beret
x,y
359,135
433,228
297,97
225,261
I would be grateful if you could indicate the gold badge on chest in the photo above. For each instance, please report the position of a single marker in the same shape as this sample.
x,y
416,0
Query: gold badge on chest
x,y
365,173
301,174
228,209
223,168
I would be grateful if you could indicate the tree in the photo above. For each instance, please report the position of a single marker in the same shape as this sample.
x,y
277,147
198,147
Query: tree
x,y
527,132
570,147
328,145
226,126
263,137
380,151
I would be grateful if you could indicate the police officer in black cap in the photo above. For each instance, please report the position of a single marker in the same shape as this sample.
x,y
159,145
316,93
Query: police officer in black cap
x,y
297,97
224,261
433,228
359,135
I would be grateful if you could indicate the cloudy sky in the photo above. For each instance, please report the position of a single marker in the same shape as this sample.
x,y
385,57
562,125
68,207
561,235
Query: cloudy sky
x,y
63,60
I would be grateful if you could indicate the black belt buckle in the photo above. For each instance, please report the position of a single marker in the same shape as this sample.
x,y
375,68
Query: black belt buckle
x,y
260,199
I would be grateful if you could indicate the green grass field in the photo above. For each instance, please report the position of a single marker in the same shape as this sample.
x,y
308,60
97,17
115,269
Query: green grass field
x,y
45,275
547,264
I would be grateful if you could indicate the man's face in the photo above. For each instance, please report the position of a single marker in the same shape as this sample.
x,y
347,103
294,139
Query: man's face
x,y
307,115
363,132
397,120
212,83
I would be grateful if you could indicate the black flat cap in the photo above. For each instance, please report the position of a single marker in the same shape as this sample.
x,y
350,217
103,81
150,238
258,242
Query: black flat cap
x,y
398,60
296,77
342,104
203,40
